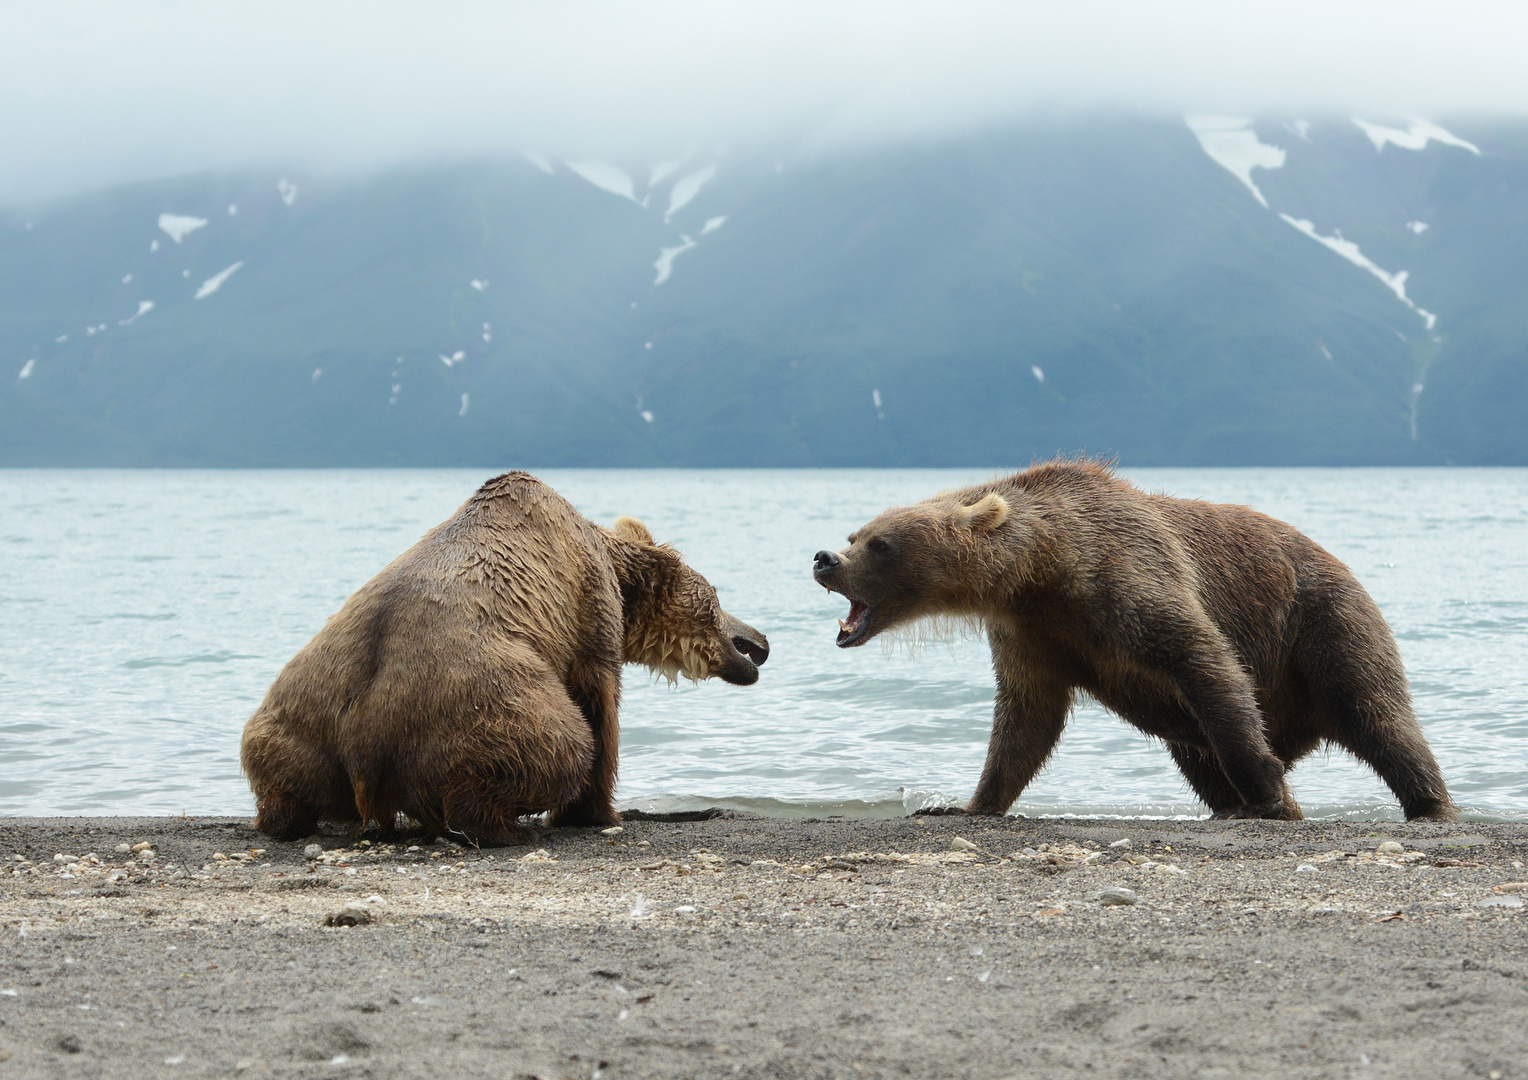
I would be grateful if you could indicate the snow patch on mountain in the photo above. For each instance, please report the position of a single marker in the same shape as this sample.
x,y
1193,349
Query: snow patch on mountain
x,y
1232,144
712,224
179,226
687,188
666,257
452,360
1418,227
538,160
1416,137
215,282
144,307
606,177
1395,282
26,370
661,170
287,190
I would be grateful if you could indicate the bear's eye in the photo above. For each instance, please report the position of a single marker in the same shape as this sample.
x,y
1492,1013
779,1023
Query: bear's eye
x,y
879,546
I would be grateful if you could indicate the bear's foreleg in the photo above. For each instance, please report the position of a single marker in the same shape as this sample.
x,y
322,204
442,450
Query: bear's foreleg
x,y
1199,660
1028,716
1203,774
599,699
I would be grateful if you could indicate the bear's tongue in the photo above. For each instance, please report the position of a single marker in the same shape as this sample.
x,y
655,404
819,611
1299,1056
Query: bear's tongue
x,y
852,628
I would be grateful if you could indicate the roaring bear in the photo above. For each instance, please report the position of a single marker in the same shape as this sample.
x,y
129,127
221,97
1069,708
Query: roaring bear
x,y
1233,637
477,678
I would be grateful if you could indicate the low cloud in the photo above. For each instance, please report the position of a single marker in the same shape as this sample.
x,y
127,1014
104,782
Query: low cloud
x,y
95,93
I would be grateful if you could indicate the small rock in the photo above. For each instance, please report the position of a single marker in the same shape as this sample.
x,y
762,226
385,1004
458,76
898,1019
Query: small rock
x,y
644,843
176,1059
1511,887
740,896
1122,842
143,846
614,830
243,1063
350,916
312,851
1389,847
1305,868
960,843
1508,901
1118,896
124,848
69,1044
686,909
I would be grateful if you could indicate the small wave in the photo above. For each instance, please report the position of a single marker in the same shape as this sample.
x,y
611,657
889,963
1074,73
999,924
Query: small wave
x,y
182,661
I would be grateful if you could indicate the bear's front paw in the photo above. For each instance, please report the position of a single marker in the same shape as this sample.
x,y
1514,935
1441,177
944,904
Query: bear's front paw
x,y
940,811
584,817
1274,811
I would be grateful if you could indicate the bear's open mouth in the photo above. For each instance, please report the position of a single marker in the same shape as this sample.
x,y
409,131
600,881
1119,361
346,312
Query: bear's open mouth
x,y
856,628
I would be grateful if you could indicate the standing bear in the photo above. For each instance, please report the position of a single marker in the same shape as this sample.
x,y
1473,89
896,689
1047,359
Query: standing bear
x,y
477,678
1232,637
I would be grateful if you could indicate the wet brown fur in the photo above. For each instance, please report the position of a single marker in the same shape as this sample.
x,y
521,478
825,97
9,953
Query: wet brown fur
x,y
477,678
1231,636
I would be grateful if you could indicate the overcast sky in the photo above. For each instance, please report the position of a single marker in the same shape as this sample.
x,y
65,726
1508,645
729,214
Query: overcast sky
x,y
97,93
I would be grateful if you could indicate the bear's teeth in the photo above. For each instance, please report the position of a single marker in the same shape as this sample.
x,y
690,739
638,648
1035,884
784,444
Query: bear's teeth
x,y
843,626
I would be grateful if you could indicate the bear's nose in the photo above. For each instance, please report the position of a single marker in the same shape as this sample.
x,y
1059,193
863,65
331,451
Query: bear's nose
x,y
825,560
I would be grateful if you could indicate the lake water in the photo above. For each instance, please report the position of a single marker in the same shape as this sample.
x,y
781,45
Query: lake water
x,y
144,613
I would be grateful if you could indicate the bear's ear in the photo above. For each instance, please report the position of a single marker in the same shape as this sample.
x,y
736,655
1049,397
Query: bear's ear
x,y
985,514
629,528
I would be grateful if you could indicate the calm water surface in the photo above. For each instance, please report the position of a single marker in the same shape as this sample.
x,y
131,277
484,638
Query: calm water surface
x,y
144,613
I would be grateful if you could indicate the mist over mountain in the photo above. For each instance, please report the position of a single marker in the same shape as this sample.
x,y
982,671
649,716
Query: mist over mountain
x,y
1203,291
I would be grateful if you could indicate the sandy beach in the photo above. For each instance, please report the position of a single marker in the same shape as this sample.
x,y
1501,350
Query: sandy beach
x,y
742,946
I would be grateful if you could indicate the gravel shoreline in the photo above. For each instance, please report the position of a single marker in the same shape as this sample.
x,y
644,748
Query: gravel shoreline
x,y
746,946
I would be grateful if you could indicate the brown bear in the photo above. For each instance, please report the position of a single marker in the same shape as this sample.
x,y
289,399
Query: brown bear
x,y
1232,637
477,677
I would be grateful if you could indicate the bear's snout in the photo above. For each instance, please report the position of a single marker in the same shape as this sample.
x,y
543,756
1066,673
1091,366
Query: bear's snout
x,y
824,561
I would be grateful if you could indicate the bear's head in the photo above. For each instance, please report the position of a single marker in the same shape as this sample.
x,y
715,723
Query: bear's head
x,y
931,560
674,623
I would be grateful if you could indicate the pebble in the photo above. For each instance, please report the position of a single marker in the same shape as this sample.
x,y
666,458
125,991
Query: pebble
x,y
350,916
143,846
124,848
1508,901
1511,887
1305,868
960,843
1123,842
1389,847
1117,896
614,830
312,851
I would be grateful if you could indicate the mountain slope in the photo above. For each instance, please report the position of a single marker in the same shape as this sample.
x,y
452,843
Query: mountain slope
x,y
1116,287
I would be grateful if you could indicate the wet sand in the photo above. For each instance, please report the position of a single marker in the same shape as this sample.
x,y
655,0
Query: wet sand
x,y
741,946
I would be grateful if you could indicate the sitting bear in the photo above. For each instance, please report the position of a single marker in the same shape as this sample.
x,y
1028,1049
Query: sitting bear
x,y
1231,636
477,678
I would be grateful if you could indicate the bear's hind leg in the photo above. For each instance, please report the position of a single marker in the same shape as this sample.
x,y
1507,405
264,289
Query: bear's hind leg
x,y
532,752
1353,670
1386,737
